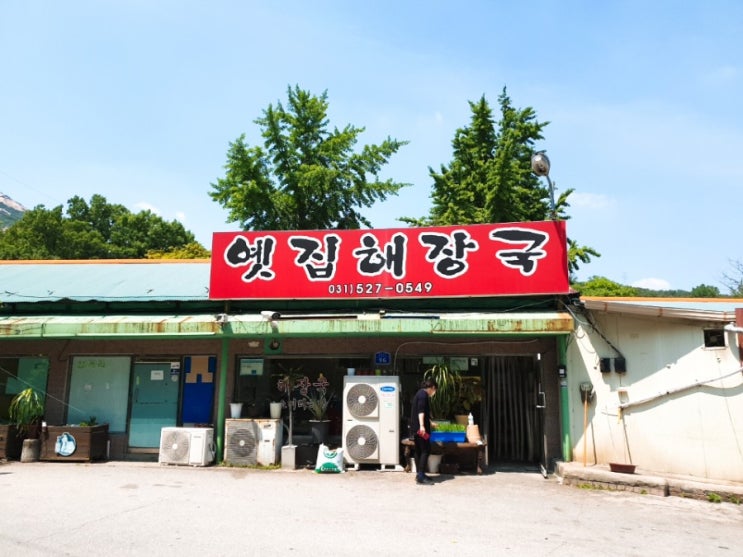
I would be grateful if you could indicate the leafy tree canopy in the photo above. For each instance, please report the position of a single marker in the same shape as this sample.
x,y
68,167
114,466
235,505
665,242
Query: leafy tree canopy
x,y
95,230
602,286
306,176
192,250
490,179
705,291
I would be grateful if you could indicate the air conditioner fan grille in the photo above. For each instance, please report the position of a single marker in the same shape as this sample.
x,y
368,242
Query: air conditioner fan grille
x,y
361,442
175,445
361,400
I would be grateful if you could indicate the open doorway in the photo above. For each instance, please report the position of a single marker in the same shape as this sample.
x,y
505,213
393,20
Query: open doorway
x,y
512,415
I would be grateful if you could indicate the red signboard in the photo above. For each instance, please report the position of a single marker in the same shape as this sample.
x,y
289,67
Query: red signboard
x,y
436,262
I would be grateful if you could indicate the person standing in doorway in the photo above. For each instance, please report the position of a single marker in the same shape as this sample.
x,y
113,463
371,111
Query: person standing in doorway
x,y
420,426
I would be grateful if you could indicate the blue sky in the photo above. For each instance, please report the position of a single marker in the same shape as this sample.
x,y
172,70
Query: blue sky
x,y
138,99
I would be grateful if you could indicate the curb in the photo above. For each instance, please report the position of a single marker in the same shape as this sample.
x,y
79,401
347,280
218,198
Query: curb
x,y
601,477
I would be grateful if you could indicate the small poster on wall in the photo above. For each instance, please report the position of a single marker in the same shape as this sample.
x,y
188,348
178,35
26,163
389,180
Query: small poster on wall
x,y
251,366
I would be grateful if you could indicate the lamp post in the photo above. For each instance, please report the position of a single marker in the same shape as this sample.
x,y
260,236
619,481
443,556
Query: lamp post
x,y
540,165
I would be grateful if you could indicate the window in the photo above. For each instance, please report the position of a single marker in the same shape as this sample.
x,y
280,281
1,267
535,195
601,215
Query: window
x,y
714,338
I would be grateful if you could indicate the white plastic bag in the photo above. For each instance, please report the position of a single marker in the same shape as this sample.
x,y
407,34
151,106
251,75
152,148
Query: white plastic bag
x,y
329,461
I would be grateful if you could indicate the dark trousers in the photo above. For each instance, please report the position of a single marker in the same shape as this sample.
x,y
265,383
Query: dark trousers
x,y
422,450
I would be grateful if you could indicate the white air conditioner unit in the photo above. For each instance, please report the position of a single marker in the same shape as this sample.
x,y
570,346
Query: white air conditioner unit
x,y
188,446
371,420
253,442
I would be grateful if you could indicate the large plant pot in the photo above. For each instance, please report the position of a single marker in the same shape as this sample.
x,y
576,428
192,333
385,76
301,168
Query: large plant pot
x,y
30,450
319,429
89,443
10,442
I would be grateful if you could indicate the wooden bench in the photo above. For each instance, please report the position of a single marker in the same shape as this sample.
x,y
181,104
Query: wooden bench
x,y
471,454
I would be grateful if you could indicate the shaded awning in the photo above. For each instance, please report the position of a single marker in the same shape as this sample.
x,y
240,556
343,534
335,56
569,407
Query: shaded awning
x,y
307,325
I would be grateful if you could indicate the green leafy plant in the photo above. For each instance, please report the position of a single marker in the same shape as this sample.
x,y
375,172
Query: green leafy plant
x,y
469,394
444,401
92,421
450,428
26,410
315,397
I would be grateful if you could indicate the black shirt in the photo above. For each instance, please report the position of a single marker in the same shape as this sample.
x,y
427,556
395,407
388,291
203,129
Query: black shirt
x,y
420,404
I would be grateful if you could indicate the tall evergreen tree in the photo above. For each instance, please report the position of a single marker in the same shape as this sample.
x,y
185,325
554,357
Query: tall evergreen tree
x,y
305,176
490,179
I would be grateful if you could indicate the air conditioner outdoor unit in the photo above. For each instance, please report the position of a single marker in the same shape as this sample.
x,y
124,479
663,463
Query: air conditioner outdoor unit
x,y
371,420
187,446
253,442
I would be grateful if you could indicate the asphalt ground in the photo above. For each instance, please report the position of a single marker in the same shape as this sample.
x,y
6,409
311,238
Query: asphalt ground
x,y
129,508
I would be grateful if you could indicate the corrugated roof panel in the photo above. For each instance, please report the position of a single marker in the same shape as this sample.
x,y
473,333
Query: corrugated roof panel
x,y
256,326
698,309
132,280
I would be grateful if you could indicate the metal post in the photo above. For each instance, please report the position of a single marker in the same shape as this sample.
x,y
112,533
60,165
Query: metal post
x,y
567,447
222,397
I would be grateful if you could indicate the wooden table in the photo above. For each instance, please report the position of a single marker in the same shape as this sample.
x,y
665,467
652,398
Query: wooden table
x,y
464,450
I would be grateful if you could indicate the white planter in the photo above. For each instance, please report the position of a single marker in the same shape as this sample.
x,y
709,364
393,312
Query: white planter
x,y
236,409
434,461
275,408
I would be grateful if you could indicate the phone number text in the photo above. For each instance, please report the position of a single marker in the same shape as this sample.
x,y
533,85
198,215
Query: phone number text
x,y
374,288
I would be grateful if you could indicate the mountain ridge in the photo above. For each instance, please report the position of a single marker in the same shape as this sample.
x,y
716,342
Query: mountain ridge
x,y
10,210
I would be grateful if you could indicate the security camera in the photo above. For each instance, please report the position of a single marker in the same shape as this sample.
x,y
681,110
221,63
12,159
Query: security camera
x,y
271,315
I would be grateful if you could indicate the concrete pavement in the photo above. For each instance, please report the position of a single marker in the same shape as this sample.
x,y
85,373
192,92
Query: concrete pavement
x,y
136,508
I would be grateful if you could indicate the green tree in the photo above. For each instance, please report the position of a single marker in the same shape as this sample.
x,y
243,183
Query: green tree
x,y
705,291
305,176
194,250
490,179
602,286
97,230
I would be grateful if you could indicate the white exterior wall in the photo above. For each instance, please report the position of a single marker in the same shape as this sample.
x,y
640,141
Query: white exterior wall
x,y
697,432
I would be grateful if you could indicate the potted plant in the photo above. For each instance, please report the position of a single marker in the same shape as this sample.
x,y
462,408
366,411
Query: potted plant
x,y
469,395
286,384
26,411
83,442
315,399
445,399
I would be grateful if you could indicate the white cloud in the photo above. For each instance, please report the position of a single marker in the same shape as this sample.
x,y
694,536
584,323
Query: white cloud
x,y
652,284
144,206
180,216
590,200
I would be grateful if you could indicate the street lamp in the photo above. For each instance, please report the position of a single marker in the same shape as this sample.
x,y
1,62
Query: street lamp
x,y
540,165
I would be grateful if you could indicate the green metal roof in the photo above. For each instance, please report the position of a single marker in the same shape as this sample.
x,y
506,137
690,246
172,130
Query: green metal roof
x,y
308,325
104,280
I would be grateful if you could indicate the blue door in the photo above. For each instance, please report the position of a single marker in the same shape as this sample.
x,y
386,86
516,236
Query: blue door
x,y
155,389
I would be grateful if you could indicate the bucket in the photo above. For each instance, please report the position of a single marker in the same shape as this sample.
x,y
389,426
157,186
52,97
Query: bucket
x,y
236,409
351,371
434,461
275,408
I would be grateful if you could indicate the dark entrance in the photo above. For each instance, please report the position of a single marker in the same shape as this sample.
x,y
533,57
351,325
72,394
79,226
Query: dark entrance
x,y
513,410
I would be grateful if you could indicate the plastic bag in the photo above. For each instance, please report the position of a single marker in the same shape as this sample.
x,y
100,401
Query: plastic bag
x,y
329,461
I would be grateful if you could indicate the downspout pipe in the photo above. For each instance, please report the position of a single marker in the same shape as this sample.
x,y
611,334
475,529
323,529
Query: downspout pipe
x,y
222,397
567,446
